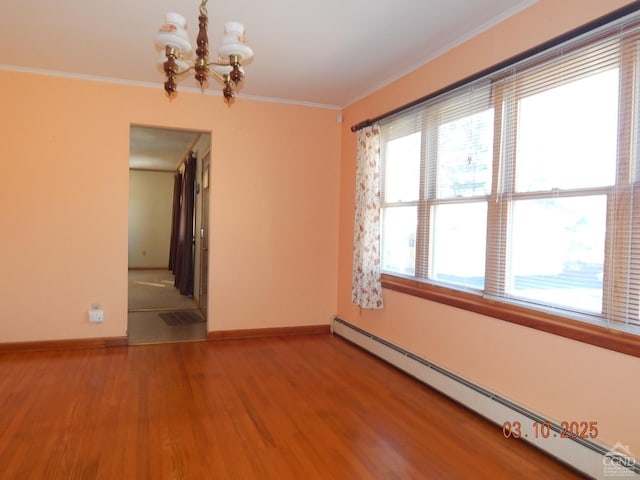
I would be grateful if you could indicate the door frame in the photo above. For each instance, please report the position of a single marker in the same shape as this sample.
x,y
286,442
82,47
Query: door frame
x,y
204,234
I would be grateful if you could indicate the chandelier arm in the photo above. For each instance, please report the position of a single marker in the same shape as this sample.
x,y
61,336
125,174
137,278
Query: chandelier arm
x,y
233,59
217,75
223,64
186,70
210,72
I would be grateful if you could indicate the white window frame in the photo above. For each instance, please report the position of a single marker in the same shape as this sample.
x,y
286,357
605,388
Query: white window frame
x,y
605,329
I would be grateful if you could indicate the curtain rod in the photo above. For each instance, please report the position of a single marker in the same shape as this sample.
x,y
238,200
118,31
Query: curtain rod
x,y
598,22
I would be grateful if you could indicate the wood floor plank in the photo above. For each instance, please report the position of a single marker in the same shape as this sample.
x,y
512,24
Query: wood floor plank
x,y
295,407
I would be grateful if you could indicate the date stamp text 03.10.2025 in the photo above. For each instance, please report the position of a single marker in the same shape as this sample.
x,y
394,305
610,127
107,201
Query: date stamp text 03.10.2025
x,y
568,429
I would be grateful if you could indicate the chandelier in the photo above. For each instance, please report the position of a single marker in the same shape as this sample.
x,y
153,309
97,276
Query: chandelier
x,y
172,40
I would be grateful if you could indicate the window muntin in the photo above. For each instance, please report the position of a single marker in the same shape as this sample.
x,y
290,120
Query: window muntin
x,y
570,194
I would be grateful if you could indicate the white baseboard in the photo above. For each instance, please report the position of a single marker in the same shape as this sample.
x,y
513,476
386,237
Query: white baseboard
x,y
589,457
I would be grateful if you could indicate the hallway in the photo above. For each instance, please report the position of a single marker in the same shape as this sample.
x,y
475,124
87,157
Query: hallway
x,y
158,313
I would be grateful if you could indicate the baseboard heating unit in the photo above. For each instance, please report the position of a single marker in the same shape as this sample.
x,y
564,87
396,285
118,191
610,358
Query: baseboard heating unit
x,y
591,458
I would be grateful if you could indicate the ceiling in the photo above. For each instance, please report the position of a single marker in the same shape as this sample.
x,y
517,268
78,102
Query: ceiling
x,y
154,148
328,53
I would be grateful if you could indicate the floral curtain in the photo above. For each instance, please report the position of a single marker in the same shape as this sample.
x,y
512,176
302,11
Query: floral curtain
x,y
366,289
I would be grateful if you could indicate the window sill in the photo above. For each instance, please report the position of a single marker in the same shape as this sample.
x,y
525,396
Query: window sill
x,y
610,339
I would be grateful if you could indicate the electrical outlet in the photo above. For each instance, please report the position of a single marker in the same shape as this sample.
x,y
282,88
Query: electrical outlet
x,y
96,315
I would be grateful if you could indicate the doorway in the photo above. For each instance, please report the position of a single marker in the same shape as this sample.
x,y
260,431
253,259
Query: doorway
x,y
157,310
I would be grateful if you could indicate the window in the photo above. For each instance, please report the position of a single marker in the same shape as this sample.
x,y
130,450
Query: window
x,y
521,187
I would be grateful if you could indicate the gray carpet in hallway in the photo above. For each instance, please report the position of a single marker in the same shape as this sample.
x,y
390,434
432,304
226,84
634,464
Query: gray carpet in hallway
x,y
152,296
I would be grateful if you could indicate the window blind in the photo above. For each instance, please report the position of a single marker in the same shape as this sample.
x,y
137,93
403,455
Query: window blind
x,y
522,186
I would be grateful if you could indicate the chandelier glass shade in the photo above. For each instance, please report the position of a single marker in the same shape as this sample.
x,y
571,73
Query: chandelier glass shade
x,y
178,58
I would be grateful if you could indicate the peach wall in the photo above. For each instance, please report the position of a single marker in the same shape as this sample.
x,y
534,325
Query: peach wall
x,y
64,201
557,377
150,209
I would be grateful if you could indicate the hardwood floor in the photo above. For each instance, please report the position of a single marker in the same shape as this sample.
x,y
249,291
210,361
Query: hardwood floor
x,y
305,407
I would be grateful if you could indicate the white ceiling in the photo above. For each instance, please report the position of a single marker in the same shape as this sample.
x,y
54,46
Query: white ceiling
x,y
327,53
154,148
